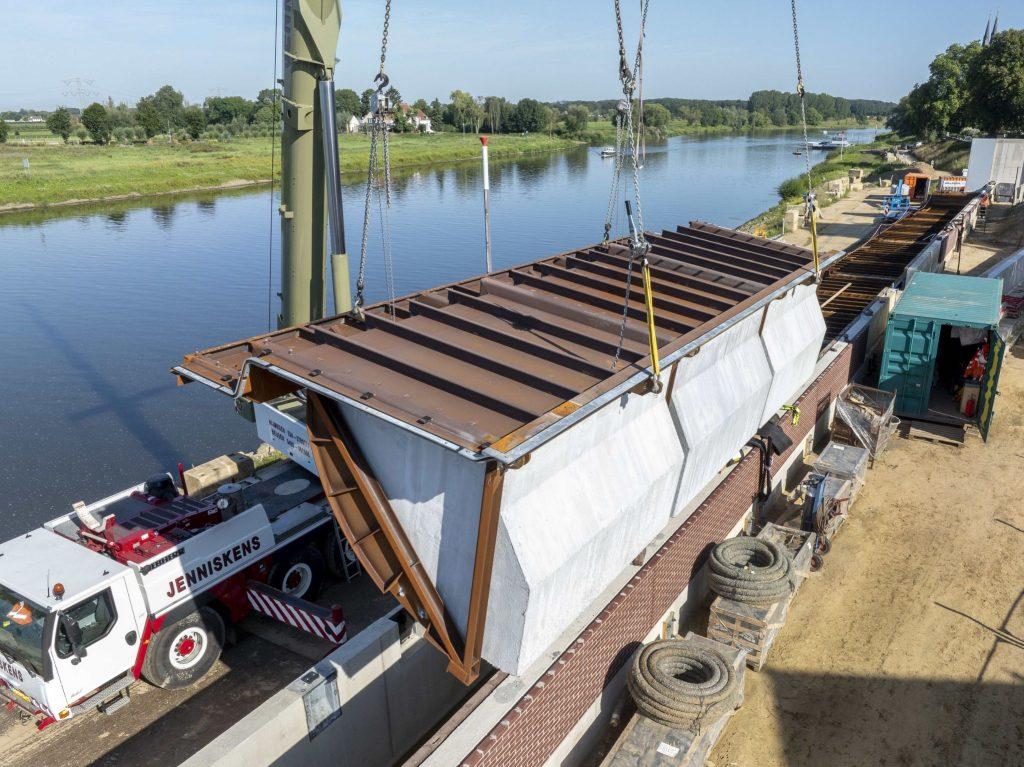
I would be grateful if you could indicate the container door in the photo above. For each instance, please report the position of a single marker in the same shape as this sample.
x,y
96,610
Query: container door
x,y
990,384
908,362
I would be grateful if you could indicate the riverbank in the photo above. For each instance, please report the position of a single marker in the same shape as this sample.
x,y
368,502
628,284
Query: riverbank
x,y
73,175
875,159
603,132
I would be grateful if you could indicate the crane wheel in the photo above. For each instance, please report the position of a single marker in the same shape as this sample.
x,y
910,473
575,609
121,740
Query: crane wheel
x,y
180,654
300,574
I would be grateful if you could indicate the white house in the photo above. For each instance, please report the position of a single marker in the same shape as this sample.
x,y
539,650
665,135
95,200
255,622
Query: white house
x,y
353,125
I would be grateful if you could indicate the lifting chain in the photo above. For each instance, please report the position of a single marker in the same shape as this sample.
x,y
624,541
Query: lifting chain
x,y
801,92
629,78
379,145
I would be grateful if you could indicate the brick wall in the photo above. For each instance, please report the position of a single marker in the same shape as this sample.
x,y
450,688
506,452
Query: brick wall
x,y
544,715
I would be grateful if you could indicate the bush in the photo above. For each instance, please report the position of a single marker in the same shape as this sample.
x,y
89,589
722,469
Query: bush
x,y
793,187
82,134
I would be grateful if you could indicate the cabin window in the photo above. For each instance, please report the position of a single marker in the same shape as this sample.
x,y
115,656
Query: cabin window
x,y
95,617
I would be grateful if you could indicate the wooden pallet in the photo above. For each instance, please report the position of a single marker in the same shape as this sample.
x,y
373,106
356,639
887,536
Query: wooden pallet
x,y
754,629
941,433
644,743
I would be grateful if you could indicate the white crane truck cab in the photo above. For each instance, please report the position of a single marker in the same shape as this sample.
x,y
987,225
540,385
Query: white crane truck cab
x,y
146,583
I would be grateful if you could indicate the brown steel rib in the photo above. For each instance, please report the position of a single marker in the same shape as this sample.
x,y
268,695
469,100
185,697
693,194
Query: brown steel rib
x,y
378,539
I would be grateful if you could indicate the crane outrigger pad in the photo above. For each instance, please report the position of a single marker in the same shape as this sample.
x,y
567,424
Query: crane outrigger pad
x,y
488,366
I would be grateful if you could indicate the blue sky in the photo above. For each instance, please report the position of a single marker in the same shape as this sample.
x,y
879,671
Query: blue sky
x,y
549,50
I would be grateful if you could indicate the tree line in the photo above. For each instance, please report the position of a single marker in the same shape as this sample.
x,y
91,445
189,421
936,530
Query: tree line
x,y
166,112
970,88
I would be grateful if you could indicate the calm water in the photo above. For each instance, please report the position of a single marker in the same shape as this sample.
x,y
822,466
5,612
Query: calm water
x,y
96,307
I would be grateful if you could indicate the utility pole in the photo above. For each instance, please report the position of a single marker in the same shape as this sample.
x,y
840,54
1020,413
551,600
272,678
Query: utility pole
x,y
487,206
310,32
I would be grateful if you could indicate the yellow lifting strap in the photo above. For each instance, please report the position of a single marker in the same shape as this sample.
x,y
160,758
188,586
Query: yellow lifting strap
x,y
812,204
652,335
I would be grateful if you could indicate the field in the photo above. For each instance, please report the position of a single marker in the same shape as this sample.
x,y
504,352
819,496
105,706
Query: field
x,y
65,174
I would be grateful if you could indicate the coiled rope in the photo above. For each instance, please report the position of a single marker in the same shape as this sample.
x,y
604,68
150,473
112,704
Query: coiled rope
x,y
751,570
676,683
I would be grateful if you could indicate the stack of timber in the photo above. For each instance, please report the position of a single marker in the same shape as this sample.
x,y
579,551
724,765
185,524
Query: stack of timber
x,y
513,446
753,628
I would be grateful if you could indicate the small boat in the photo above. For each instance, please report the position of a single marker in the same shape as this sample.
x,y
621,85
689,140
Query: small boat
x,y
798,152
608,151
831,141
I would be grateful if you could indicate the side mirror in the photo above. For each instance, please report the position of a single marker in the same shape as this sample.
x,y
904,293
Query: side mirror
x,y
74,635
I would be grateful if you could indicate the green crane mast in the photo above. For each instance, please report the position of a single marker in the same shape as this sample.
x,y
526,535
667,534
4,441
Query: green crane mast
x,y
310,178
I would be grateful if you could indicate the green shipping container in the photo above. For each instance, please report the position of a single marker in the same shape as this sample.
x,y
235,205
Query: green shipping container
x,y
911,350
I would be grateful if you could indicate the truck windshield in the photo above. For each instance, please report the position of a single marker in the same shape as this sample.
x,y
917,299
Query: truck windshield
x,y
21,629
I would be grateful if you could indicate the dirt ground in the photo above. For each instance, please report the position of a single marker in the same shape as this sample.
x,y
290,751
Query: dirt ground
x,y
908,647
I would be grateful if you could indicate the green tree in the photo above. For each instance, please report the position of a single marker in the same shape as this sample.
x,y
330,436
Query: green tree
x,y
996,81
160,111
464,112
195,122
814,116
394,97
96,120
656,116
4,131
59,123
576,118
148,118
224,110
366,100
494,112
268,107
347,100
529,116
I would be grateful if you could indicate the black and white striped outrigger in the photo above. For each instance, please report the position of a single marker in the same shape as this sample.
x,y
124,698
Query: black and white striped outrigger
x,y
324,622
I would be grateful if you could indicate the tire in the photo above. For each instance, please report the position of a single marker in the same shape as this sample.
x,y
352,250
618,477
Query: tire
x,y
300,574
335,558
181,654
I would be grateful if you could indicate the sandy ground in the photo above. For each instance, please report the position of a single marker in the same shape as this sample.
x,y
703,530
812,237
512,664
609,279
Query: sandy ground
x,y
908,648
845,221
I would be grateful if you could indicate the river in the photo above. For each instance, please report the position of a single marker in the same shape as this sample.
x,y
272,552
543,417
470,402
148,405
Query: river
x,y
96,306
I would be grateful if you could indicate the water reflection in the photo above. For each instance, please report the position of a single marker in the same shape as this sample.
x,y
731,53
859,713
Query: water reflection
x,y
116,219
164,215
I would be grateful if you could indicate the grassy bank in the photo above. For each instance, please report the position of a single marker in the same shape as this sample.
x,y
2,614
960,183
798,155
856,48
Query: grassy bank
x,y
868,157
64,174
603,132
950,155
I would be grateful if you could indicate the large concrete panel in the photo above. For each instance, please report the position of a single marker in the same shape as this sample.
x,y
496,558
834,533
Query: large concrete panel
x,y
586,504
718,400
792,334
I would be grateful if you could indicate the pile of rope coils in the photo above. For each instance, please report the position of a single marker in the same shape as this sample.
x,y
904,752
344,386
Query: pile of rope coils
x,y
751,570
679,684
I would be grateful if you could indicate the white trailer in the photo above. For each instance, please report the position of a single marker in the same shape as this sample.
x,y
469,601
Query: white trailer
x,y
147,584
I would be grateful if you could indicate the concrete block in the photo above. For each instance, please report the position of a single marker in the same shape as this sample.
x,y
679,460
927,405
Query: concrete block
x,y
856,174
203,479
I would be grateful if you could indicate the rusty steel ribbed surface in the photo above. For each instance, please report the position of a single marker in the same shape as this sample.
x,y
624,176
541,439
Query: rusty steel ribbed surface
x,y
854,282
492,360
